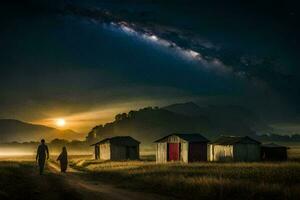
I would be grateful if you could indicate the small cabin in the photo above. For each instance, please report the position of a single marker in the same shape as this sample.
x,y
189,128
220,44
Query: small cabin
x,y
117,148
234,148
273,152
181,147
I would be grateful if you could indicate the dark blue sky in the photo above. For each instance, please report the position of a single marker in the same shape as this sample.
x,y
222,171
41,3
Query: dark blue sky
x,y
59,63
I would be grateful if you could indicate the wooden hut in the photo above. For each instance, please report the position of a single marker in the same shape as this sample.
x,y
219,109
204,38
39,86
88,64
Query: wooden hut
x,y
273,152
234,148
117,148
181,147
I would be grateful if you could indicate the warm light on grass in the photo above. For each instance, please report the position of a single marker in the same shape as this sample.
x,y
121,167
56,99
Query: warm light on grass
x,y
205,180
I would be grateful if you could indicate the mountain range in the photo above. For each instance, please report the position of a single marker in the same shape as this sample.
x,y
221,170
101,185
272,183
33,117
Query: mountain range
x,y
149,124
15,130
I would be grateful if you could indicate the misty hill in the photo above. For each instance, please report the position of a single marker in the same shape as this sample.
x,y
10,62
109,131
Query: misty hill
x,y
189,109
225,119
148,124
15,130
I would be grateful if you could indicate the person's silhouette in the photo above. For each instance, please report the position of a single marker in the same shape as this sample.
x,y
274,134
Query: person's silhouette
x,y
63,159
41,155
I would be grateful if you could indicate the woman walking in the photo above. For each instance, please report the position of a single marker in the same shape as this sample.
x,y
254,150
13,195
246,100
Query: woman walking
x,y
63,159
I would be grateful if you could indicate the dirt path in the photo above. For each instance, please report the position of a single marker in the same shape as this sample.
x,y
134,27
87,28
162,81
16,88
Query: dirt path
x,y
20,180
100,190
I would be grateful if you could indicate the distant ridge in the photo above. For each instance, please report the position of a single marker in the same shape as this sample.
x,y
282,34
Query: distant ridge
x,y
149,123
16,130
189,108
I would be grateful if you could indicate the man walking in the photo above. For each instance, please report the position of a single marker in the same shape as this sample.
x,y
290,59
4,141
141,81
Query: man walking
x,y
41,155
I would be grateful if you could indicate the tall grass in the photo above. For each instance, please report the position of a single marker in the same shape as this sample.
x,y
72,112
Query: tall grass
x,y
203,180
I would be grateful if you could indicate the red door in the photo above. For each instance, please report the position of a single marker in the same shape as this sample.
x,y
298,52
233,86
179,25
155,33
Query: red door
x,y
173,149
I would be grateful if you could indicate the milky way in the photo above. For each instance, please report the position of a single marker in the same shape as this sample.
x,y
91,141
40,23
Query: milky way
x,y
87,58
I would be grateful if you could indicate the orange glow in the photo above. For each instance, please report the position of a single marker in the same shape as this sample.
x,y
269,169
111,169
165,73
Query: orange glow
x,y
83,121
60,122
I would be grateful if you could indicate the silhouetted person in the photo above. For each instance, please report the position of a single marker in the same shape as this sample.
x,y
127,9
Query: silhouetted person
x,y
41,155
63,159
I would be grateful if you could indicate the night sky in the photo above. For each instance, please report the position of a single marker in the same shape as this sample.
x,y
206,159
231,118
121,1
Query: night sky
x,y
59,64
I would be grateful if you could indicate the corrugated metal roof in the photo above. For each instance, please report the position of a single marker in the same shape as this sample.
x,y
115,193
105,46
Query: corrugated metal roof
x,y
118,139
190,137
229,140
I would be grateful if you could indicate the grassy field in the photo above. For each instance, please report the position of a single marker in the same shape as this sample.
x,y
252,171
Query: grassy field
x,y
20,180
263,180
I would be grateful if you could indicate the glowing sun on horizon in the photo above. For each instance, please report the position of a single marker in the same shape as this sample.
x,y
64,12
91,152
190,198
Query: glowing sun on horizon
x,y
60,122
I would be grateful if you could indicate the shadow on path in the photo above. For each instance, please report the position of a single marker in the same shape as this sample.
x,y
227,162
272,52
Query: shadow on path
x,y
98,190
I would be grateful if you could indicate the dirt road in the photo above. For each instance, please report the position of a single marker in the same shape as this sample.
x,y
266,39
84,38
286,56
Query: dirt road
x,y
20,180
98,190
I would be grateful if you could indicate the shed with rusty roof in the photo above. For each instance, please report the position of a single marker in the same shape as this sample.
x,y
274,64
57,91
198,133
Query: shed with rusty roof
x,y
181,147
234,148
